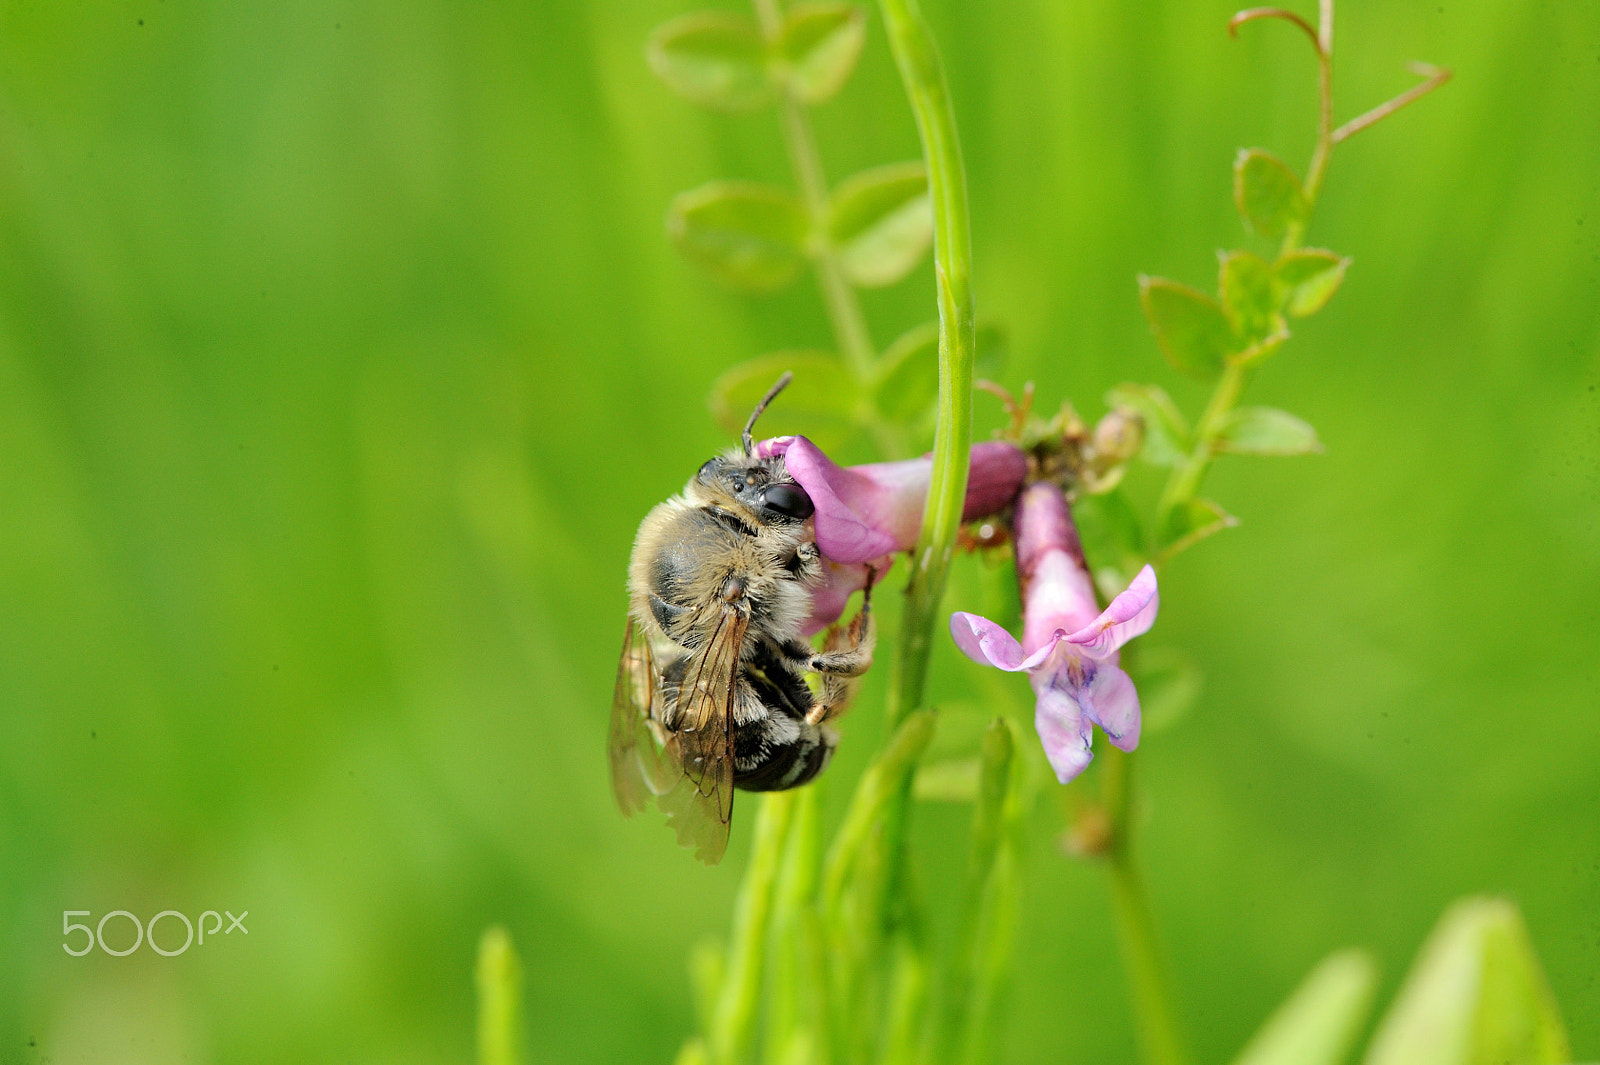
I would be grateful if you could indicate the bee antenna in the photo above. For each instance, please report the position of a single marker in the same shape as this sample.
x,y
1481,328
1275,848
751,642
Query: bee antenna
x,y
745,437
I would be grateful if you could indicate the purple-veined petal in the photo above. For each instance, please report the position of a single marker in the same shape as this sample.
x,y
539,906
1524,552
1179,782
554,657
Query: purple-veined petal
x,y
989,644
1064,731
848,517
865,512
1109,700
1130,614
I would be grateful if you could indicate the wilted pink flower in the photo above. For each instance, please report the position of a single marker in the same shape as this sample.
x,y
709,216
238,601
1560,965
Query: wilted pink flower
x,y
1069,648
865,514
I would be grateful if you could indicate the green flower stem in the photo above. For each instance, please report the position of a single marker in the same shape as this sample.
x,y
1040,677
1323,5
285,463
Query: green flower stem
x,y
1318,168
735,1014
868,853
499,978
844,309
918,59
1185,480
1159,1041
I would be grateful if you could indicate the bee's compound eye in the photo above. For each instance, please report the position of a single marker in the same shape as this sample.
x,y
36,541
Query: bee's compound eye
x,y
789,500
708,469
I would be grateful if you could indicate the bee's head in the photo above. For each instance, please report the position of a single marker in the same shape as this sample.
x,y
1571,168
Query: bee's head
x,y
761,488
742,481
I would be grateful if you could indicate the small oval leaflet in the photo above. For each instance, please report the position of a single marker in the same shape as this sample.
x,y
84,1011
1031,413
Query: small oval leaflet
x,y
1309,278
1193,332
1267,193
715,58
1248,292
881,222
1266,431
747,235
821,44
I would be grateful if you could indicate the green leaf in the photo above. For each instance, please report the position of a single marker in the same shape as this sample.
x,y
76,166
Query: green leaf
x,y
1191,522
1249,297
1267,193
821,43
1308,279
1166,433
714,58
1193,332
1169,684
821,402
881,222
1320,1021
1265,431
1474,996
747,235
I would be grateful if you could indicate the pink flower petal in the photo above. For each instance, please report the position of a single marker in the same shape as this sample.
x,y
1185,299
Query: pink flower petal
x,y
1110,701
1064,731
989,644
864,512
848,523
1130,614
1059,597
774,446
839,583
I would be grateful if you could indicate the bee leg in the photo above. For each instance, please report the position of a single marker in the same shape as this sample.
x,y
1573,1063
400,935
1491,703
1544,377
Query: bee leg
x,y
846,655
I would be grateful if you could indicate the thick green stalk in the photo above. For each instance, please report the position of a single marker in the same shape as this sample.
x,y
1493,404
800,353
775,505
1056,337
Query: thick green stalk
x,y
877,867
923,76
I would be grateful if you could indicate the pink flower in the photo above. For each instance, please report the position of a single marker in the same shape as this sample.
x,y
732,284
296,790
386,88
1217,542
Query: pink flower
x,y
864,514
1069,649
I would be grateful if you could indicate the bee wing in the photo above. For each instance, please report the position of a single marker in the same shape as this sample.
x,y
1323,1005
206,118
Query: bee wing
x,y
640,767
700,807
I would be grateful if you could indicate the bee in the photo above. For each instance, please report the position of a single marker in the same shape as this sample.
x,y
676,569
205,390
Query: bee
x,y
711,689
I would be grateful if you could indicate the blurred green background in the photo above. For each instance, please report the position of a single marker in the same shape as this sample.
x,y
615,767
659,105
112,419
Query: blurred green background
x,y
341,351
